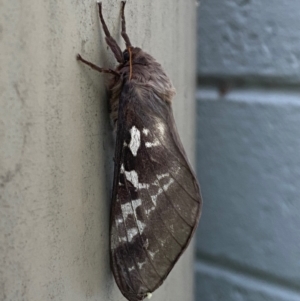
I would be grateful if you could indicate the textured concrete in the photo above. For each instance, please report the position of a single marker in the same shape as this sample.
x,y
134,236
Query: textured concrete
x,y
248,150
248,243
56,145
249,38
214,283
248,166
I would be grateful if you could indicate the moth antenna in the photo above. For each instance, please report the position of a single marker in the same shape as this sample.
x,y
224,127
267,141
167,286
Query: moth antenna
x,y
108,38
130,63
123,32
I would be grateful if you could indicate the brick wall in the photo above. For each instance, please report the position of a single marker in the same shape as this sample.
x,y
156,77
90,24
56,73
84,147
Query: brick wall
x,y
248,150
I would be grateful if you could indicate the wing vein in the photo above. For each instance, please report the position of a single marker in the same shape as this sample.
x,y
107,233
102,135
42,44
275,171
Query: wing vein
x,y
133,259
130,285
187,168
140,235
173,155
166,228
187,192
167,197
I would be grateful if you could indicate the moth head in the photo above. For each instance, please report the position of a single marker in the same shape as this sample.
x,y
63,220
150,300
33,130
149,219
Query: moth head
x,y
126,56
138,56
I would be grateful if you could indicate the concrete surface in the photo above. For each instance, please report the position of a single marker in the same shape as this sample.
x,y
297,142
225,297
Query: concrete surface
x,y
56,145
248,151
250,39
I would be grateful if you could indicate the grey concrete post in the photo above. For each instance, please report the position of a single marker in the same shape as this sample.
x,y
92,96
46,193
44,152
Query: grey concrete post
x,y
56,145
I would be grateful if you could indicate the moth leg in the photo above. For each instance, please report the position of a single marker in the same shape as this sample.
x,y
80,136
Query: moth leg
x,y
123,32
109,39
95,67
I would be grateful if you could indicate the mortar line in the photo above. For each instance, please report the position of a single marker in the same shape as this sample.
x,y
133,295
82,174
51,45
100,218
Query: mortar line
x,y
226,266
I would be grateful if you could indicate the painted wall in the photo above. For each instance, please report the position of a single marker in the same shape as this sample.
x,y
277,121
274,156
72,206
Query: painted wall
x,y
56,144
248,150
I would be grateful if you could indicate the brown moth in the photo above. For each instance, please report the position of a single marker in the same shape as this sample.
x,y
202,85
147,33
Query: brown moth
x,y
156,201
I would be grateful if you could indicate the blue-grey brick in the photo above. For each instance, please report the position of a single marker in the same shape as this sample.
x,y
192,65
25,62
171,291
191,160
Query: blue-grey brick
x,y
215,284
249,38
248,155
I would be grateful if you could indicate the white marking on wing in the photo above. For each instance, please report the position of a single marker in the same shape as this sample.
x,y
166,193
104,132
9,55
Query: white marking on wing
x,y
133,177
155,183
131,268
163,176
119,221
160,190
147,211
136,203
152,254
135,141
141,226
146,244
140,264
122,239
151,144
130,208
126,210
131,233
154,197
143,186
177,170
166,186
161,127
146,131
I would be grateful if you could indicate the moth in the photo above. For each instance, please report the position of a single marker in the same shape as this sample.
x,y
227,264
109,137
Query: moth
x,y
156,200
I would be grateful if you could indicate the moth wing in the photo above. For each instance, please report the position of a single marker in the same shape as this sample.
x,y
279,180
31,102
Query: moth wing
x,y
156,200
